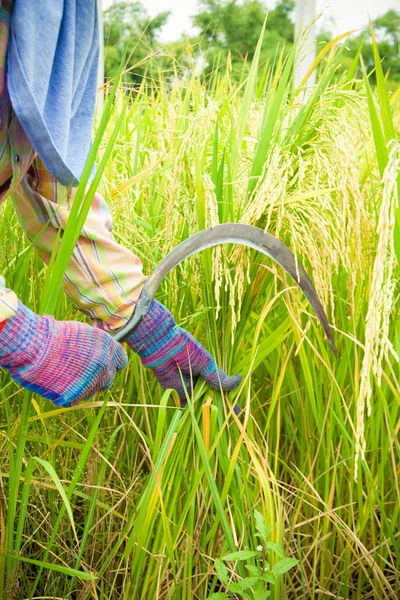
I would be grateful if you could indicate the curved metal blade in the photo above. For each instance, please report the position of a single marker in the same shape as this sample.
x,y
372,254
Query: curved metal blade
x,y
228,233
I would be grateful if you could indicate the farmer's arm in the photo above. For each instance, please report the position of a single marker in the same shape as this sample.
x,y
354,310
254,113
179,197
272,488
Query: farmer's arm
x,y
105,279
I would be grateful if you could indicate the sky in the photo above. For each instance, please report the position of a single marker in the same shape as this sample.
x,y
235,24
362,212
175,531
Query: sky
x,y
339,15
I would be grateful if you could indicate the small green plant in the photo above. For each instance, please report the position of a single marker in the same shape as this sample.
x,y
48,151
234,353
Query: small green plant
x,y
257,563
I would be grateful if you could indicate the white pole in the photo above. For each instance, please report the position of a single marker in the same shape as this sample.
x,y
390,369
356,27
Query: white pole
x,y
305,13
100,76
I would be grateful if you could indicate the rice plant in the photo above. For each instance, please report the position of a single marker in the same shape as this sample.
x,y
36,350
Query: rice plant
x,y
126,496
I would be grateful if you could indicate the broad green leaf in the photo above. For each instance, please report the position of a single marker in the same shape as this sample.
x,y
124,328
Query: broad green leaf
x,y
218,596
221,570
253,570
235,588
261,527
284,565
247,582
240,555
269,577
277,548
262,594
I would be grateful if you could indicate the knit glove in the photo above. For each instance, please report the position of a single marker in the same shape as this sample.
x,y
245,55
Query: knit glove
x,y
64,361
169,350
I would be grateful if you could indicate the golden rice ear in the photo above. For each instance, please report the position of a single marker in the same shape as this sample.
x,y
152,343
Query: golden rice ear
x,y
378,347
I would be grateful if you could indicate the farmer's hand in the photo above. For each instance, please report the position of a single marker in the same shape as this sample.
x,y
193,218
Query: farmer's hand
x,y
64,361
169,350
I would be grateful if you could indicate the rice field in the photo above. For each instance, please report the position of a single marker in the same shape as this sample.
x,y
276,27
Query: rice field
x,y
126,496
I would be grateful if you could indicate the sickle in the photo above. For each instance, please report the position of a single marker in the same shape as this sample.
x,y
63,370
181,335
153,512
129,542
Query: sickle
x,y
228,233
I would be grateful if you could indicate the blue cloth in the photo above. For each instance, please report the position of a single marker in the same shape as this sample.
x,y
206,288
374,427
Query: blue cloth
x,y
52,67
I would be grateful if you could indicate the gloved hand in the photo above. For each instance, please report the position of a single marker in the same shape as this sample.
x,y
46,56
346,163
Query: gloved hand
x,y
166,349
64,361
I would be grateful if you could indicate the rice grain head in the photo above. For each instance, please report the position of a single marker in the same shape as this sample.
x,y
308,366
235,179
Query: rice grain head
x,y
377,343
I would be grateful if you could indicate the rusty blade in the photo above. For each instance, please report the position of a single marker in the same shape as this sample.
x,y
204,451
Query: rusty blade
x,y
228,233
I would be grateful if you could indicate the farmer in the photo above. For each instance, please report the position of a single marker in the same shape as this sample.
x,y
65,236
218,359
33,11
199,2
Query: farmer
x,y
49,51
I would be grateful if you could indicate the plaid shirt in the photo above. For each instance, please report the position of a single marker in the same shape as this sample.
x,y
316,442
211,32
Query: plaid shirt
x,y
103,278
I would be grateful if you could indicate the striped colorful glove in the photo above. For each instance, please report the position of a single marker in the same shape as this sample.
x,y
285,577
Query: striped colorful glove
x,y
169,350
64,361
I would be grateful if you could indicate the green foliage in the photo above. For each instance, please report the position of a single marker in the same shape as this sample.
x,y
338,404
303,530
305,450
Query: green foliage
x,y
383,126
387,29
130,36
262,573
159,494
230,26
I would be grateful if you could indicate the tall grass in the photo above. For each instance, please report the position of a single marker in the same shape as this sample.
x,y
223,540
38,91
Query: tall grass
x,y
153,495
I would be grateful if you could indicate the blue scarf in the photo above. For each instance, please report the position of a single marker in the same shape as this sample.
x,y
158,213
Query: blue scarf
x,y
52,67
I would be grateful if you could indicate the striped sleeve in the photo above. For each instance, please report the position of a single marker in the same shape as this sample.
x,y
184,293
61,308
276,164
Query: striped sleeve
x,y
8,302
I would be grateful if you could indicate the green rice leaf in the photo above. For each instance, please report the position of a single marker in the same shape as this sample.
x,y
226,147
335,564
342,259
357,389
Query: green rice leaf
x,y
53,567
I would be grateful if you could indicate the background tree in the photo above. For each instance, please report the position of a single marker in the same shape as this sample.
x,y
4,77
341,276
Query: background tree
x,y
230,26
387,31
227,27
130,32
